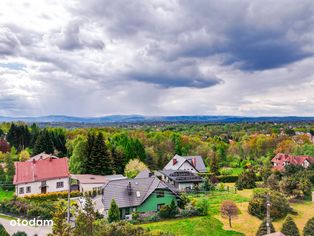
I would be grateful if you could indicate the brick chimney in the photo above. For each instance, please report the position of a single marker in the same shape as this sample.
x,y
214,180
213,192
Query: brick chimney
x,y
129,188
174,161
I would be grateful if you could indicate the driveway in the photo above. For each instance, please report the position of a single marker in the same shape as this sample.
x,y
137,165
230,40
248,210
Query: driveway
x,y
30,231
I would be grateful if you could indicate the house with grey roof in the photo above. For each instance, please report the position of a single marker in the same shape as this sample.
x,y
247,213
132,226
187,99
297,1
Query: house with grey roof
x,y
193,164
137,195
181,180
145,174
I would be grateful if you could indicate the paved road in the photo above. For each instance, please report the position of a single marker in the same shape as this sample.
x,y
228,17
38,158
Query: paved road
x,y
30,231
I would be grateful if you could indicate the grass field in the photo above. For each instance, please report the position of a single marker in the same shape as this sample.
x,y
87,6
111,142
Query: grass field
x,y
6,195
216,225
196,226
248,224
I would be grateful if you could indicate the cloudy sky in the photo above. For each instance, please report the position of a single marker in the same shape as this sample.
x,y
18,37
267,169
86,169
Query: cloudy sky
x,y
158,57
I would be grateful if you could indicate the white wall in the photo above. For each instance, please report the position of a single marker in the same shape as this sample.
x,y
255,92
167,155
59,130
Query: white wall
x,y
36,189
89,187
183,186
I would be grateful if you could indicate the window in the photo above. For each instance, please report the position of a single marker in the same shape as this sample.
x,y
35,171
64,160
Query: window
x,y
159,206
160,193
59,184
28,189
21,190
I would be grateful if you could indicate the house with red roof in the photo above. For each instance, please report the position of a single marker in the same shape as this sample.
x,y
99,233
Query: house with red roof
x,y
281,160
41,176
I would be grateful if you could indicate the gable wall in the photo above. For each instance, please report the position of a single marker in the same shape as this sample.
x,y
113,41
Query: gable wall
x,y
150,204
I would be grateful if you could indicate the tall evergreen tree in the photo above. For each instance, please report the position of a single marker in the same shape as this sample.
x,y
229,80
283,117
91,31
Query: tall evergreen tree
x,y
100,161
309,228
35,130
43,143
19,136
118,159
59,141
289,228
262,230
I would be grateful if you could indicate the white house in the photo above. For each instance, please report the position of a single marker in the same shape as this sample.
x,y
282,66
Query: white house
x,y
41,176
193,164
87,182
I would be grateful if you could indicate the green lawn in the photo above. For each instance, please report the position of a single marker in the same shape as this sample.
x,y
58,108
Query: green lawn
x,y
216,198
6,195
197,226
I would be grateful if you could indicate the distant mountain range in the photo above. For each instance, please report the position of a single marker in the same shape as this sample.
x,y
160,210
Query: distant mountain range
x,y
151,119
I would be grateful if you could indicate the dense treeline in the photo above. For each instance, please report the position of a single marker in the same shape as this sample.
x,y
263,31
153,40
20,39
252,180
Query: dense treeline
x,y
108,150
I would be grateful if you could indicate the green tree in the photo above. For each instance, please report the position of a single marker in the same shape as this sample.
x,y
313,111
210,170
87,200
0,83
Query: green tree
x,y
78,156
60,226
309,228
84,224
2,175
100,161
10,169
279,205
262,230
114,212
246,180
213,164
289,228
43,143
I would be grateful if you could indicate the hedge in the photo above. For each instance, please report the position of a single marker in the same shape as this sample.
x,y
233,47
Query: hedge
x,y
227,178
53,195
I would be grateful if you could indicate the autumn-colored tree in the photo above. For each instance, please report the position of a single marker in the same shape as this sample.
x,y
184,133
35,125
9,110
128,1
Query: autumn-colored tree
x,y
286,146
4,146
134,167
229,210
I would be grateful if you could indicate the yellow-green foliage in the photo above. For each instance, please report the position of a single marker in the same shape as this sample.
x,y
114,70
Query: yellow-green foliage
x,y
52,196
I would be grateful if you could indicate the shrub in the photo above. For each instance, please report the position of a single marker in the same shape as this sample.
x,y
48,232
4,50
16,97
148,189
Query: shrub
x,y
246,180
289,228
227,178
262,230
309,228
19,234
279,205
53,196
202,206
169,211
